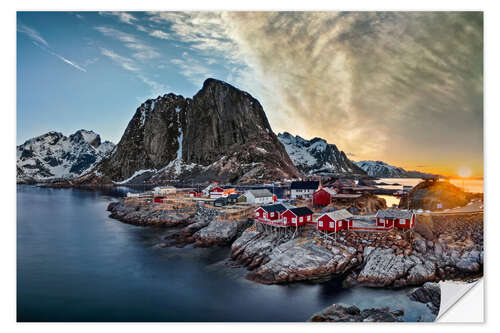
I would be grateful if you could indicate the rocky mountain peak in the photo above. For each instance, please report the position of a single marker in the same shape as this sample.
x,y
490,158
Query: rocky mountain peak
x,y
87,136
222,133
53,155
316,156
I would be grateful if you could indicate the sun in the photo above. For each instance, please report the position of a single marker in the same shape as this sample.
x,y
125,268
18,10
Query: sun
x,y
464,171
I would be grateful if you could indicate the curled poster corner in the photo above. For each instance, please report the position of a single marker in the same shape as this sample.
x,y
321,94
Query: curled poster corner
x,y
453,294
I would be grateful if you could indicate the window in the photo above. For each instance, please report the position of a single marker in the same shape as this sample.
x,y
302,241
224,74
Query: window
x,y
309,217
320,223
332,225
257,213
340,223
294,220
301,219
272,214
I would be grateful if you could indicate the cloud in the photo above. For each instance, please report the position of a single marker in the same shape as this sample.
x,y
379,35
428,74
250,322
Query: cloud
x,y
204,31
142,50
159,34
126,63
33,34
130,65
403,86
122,16
40,42
195,71
69,62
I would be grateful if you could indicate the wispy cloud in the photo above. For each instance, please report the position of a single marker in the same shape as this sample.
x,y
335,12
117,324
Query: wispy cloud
x,y
195,71
130,65
69,62
160,34
33,34
205,31
122,16
40,42
142,50
126,63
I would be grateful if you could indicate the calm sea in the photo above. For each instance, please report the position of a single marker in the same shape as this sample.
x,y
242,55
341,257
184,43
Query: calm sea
x,y
74,263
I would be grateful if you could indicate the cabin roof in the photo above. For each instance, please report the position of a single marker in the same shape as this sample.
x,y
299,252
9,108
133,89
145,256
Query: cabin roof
x,y
260,193
306,185
233,195
328,190
394,213
274,208
337,215
301,211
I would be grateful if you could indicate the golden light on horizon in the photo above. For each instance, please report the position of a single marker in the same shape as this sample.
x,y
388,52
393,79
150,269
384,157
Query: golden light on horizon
x,y
464,172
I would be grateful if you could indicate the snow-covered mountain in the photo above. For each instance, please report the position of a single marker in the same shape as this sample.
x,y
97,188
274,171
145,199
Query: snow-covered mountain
x,y
54,155
381,169
316,156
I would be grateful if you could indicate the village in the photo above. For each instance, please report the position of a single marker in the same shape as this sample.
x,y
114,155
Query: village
x,y
309,231
343,205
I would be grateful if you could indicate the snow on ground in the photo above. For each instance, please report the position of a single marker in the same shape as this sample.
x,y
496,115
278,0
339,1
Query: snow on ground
x,y
137,173
262,150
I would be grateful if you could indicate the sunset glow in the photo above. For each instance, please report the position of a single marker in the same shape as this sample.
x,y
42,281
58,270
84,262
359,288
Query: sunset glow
x,y
464,172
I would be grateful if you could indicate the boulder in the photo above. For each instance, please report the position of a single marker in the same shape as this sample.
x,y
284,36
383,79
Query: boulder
x,y
429,293
350,313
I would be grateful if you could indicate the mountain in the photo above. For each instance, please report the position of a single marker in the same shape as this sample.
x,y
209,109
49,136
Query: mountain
x,y
381,169
316,156
222,134
53,156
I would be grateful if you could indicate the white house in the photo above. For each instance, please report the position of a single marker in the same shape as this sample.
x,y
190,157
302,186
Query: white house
x,y
259,196
303,190
163,190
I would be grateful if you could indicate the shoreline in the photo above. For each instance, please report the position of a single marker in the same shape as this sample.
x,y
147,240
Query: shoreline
x,y
357,257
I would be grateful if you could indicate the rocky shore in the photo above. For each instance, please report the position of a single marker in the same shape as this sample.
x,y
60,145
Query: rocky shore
x,y
441,248
274,260
147,214
351,313
429,294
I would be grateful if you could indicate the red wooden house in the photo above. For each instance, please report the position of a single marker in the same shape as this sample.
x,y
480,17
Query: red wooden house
x,y
216,192
297,216
158,199
394,218
270,213
335,221
323,196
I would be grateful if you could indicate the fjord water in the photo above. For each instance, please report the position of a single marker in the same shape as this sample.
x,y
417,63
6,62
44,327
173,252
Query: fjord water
x,y
74,263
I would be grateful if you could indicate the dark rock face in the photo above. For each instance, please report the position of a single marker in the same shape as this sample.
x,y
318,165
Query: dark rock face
x,y
430,294
345,313
316,156
222,133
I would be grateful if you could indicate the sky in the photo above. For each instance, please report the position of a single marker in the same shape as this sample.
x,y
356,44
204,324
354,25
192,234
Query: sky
x,y
402,87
